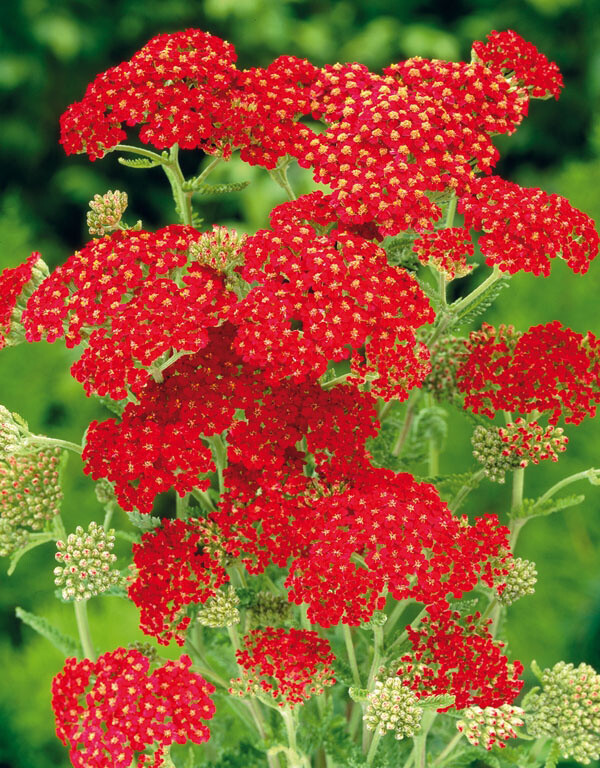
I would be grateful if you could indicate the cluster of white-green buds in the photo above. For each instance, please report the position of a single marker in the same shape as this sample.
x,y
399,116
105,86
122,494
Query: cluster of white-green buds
x,y
488,449
446,357
104,491
30,495
393,707
221,249
567,710
220,610
269,610
11,432
489,726
106,212
520,580
87,561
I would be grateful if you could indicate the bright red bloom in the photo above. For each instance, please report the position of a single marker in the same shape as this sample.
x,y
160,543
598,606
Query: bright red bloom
x,y
547,368
457,655
291,665
158,444
121,285
322,297
114,709
184,89
447,250
16,285
521,61
525,228
172,571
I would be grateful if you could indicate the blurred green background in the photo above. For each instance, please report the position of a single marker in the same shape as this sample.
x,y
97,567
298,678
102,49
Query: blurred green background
x,y
51,49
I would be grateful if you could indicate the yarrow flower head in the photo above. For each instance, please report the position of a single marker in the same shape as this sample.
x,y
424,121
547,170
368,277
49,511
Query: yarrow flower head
x,y
446,356
289,665
519,581
87,561
16,287
392,706
520,62
567,710
446,250
491,725
30,495
106,212
117,710
221,610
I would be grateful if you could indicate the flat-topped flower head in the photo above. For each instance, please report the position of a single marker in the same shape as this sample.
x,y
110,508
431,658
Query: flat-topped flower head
x,y
289,665
87,563
16,286
521,63
490,725
393,707
118,710
446,250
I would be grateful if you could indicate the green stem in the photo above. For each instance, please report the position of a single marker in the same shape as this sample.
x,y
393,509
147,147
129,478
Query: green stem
x,y
466,490
83,628
409,416
433,451
373,748
203,498
183,200
219,449
279,175
108,515
420,740
332,382
395,615
517,491
588,474
141,151
448,749
377,652
404,635
181,506
459,306
53,442
347,632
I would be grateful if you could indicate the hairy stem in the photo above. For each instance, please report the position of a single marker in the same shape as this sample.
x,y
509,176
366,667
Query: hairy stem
x,y
448,749
83,628
351,655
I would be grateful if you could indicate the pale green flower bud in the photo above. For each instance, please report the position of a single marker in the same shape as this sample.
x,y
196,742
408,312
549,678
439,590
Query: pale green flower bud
x,y
30,492
489,726
106,212
87,563
393,707
488,450
269,610
520,580
11,538
220,610
567,710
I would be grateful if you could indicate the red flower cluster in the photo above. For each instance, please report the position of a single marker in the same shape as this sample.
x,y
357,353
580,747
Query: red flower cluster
x,y
112,711
319,296
391,138
184,89
457,655
546,369
114,286
291,665
524,228
158,443
14,285
532,441
172,570
521,61
447,250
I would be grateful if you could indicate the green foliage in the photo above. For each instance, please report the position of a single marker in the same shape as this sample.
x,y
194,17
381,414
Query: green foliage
x,y
482,303
42,626
531,508
138,162
143,521
195,185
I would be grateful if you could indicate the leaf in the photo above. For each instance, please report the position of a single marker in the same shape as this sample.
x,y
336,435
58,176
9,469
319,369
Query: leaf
x,y
132,538
138,162
41,538
531,508
115,406
439,701
143,521
451,483
535,668
65,644
553,756
483,302
195,185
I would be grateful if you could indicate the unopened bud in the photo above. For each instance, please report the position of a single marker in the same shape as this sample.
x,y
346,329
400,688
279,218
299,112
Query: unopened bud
x,y
87,561
220,610
106,212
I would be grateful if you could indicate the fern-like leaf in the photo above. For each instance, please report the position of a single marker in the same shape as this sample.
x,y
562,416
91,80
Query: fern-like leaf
x,y
138,162
142,521
530,508
64,643
196,186
483,302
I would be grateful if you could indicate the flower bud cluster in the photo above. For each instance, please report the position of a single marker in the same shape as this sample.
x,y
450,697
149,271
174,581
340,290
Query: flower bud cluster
x,y
106,212
446,356
531,441
104,491
269,610
568,710
519,581
30,494
488,449
221,249
220,610
87,559
392,706
10,432
489,726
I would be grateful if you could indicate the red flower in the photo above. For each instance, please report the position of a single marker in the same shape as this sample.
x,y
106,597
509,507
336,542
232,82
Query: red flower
x,y
321,296
548,368
458,656
114,285
525,228
521,61
447,250
113,710
173,570
291,665
16,285
158,444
